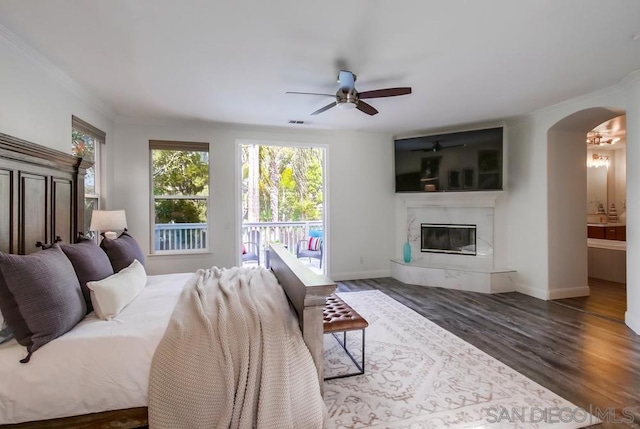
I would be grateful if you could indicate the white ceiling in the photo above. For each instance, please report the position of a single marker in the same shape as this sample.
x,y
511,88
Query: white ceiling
x,y
232,61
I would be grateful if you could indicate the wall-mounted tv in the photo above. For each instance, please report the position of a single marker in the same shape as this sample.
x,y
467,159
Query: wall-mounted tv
x,y
462,161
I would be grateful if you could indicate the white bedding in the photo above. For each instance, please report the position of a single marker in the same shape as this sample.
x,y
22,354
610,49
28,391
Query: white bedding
x,y
97,366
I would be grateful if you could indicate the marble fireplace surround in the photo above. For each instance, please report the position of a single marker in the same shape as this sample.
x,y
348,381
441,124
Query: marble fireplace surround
x,y
452,271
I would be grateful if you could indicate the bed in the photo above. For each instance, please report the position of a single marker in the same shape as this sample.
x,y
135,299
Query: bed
x,y
70,383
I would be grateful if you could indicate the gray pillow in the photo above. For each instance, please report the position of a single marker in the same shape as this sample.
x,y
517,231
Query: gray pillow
x,y
40,297
122,251
90,264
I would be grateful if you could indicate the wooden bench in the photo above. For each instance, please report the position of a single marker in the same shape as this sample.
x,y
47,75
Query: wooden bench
x,y
338,317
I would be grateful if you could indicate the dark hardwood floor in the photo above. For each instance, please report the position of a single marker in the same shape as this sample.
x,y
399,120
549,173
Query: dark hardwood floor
x,y
590,360
606,299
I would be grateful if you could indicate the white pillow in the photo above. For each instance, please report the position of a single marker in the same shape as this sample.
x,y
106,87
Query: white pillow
x,y
109,296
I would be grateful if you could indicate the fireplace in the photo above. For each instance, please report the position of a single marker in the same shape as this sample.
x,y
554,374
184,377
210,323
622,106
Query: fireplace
x,y
440,228
448,238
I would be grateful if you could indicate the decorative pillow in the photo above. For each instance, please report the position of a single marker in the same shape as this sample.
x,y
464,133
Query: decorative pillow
x,y
315,233
90,263
122,251
111,295
244,249
40,297
313,243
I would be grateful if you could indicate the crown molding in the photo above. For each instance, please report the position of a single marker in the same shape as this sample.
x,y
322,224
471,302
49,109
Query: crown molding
x,y
54,72
581,100
630,79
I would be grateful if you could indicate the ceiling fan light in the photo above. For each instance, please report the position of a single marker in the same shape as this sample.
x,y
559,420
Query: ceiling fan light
x,y
347,105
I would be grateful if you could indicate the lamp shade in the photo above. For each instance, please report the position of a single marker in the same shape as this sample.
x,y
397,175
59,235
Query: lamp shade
x,y
108,220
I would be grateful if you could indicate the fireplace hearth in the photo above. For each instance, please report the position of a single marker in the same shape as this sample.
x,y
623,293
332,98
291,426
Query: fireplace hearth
x,y
456,239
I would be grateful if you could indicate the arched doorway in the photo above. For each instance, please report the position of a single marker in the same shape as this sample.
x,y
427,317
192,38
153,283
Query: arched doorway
x,y
567,196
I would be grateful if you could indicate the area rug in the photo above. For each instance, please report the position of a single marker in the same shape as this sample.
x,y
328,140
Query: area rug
x,y
418,375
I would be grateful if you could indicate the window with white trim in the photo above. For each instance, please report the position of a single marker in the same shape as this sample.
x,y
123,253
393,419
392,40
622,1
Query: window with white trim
x,y
180,196
87,142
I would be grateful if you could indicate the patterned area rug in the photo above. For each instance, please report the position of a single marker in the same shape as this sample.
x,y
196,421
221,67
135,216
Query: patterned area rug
x,y
418,375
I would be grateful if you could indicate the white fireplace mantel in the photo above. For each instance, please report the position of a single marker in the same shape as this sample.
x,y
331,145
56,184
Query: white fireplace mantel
x,y
478,273
451,199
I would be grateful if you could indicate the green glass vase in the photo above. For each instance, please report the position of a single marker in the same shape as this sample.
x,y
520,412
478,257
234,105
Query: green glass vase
x,y
406,252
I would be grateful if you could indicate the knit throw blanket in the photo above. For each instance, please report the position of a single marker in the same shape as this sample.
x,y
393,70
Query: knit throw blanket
x,y
233,357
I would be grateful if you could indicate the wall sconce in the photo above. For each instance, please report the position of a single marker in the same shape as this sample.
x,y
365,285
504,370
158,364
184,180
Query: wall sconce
x,y
108,221
598,161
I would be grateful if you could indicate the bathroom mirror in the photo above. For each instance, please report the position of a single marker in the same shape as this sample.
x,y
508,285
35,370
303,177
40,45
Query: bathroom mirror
x,y
596,189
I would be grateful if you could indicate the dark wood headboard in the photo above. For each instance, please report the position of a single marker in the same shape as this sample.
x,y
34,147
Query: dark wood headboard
x,y
41,195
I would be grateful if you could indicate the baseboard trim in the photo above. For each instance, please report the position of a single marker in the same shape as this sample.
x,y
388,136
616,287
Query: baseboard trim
x,y
570,292
632,322
338,277
531,291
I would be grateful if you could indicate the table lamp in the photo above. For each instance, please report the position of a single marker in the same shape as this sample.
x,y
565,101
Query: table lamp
x,y
108,221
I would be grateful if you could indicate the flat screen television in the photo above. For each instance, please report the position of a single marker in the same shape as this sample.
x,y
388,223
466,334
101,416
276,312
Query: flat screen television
x,y
462,161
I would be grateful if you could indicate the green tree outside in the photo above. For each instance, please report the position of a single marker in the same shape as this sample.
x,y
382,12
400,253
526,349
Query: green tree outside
x,y
290,183
178,175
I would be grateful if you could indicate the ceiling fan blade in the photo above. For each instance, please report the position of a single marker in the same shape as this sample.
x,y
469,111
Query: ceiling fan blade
x,y
388,92
366,108
347,80
309,93
437,147
325,108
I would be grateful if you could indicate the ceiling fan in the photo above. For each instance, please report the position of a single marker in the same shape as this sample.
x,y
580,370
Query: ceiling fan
x,y
348,98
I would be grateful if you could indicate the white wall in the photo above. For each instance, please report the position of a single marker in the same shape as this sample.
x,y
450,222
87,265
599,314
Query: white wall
x,y
528,208
359,201
567,189
37,107
632,316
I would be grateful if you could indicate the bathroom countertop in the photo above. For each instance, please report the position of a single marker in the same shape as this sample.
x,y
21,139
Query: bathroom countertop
x,y
607,244
606,224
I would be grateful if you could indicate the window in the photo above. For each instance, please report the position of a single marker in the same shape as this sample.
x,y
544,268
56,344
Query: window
x,y
86,142
180,189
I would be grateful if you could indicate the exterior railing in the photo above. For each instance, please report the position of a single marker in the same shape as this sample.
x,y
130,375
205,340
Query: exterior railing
x,y
180,236
286,233
193,236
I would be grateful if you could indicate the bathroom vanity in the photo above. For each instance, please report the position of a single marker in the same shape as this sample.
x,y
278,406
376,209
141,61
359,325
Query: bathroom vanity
x,y
607,250
607,231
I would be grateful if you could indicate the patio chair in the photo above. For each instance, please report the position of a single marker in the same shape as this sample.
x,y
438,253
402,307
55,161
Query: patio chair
x,y
310,248
251,248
